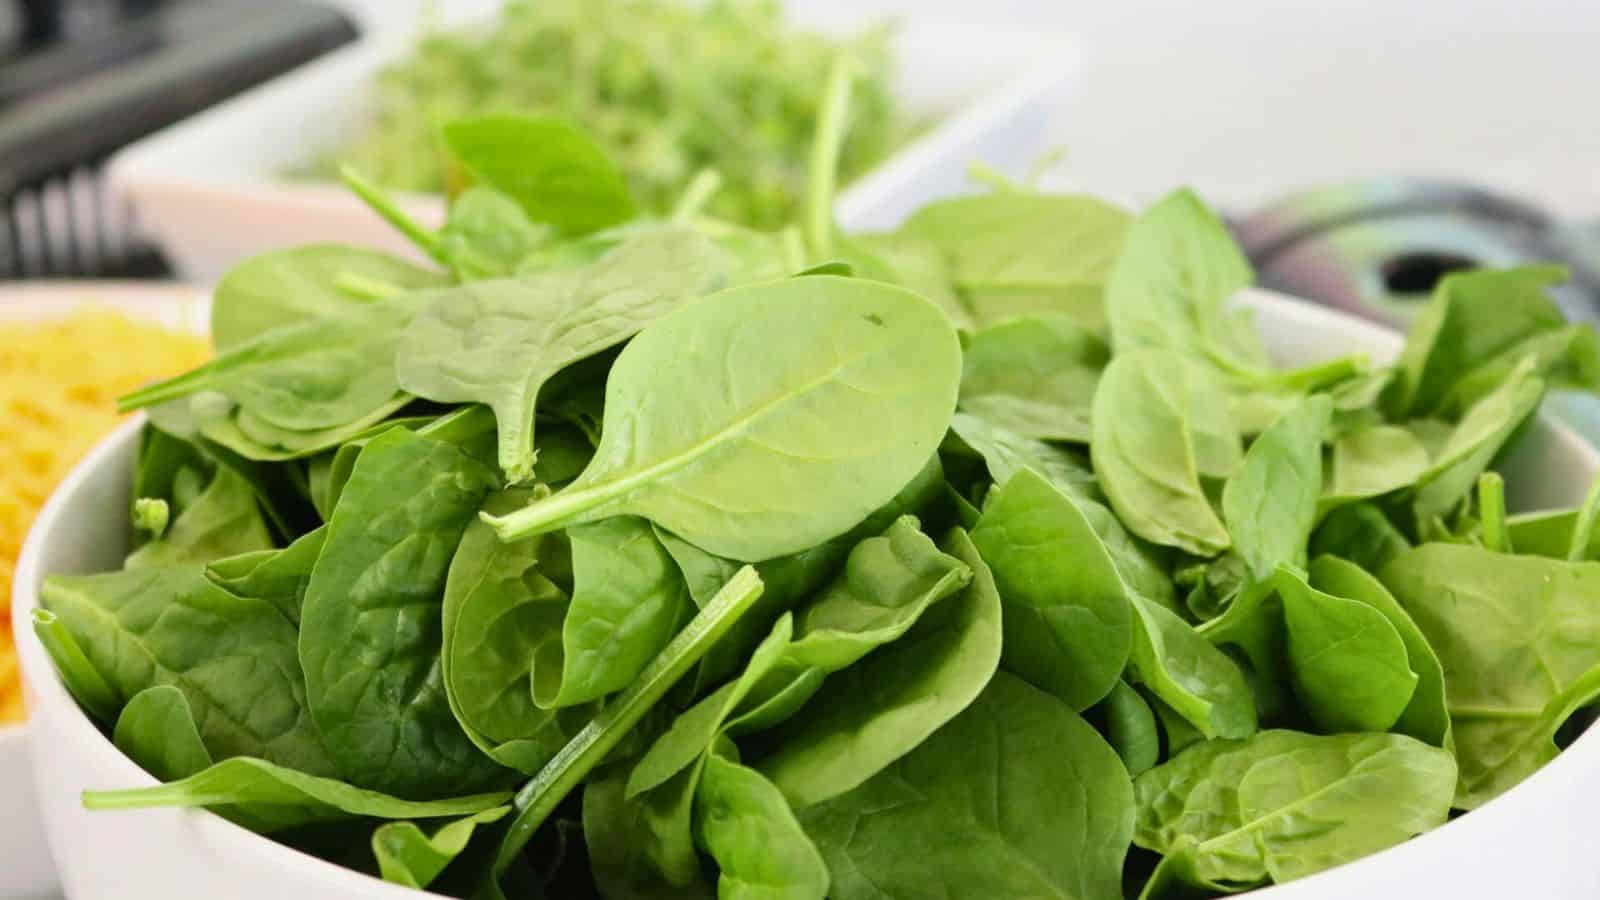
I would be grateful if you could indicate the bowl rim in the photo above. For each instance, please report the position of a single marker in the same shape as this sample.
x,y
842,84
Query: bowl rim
x,y
43,686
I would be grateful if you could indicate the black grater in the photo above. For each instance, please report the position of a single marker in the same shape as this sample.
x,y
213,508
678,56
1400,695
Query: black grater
x,y
80,79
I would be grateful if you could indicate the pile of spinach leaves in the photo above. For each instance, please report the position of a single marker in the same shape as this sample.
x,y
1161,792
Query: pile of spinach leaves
x,y
991,557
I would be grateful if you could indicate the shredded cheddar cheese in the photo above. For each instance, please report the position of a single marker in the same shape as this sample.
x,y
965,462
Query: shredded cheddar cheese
x,y
59,381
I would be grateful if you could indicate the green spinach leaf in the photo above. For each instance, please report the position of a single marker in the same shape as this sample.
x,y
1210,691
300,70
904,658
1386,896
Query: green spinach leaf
x,y
1035,377
157,730
1164,424
1068,624
554,171
497,342
711,403
970,813
1230,815
370,632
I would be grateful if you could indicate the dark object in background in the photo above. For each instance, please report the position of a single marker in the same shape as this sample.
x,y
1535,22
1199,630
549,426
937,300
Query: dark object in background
x,y
1376,247
80,79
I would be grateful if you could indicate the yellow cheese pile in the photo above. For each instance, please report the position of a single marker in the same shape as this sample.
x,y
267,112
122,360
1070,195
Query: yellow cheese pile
x,y
59,381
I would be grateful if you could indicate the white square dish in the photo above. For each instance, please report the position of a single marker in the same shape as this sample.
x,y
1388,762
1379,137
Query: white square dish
x,y
212,189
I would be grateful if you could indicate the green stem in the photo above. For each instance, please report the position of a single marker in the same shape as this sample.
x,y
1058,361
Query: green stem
x,y
994,179
825,150
541,795
697,194
1492,512
365,287
1583,528
385,206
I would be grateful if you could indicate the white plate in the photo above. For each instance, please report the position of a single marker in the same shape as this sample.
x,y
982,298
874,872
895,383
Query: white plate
x,y
212,189
1536,841
25,864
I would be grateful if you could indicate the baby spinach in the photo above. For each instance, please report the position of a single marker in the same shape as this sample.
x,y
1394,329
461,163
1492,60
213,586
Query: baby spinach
x,y
1068,625
232,657
877,710
1475,319
748,828
279,577
1350,666
1198,681
157,730
1170,285
497,342
1427,716
1164,425
283,287
500,625
1004,453
1361,534
1495,620
1130,727
1270,504
1000,256
723,389
436,532
322,373
370,632
1230,815
1034,376
223,520
1371,462
554,171
966,814
628,600
1475,441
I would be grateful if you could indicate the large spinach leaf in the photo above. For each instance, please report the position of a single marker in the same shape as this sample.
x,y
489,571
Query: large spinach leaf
x,y
1017,797
232,657
497,342
370,632
713,428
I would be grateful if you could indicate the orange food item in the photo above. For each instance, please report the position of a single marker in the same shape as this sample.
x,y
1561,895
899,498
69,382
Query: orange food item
x,y
59,380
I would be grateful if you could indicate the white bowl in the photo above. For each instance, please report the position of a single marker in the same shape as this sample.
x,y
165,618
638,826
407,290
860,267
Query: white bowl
x,y
1535,841
25,866
214,191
